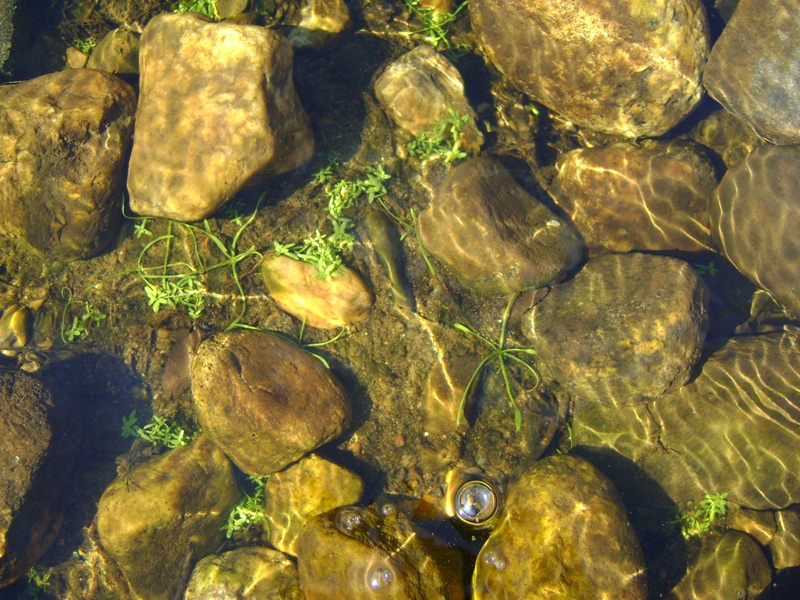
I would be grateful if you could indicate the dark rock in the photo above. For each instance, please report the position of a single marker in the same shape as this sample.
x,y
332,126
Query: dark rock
x,y
648,197
626,328
754,68
368,552
564,534
629,69
495,236
64,141
265,401
225,94
166,514
39,439
755,218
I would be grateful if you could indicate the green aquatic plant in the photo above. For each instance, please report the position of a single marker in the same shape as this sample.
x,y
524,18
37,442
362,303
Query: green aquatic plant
x,y
250,508
85,46
442,139
81,324
435,30
204,7
326,250
37,583
710,269
499,353
698,520
157,432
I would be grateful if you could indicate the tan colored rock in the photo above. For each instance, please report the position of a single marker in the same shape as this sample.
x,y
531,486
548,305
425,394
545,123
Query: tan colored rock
x,y
418,89
648,197
224,95
64,143
564,533
341,301
250,573
375,550
263,400
322,24
308,488
497,238
166,514
784,547
37,448
754,68
117,52
630,69
728,566
755,218
627,327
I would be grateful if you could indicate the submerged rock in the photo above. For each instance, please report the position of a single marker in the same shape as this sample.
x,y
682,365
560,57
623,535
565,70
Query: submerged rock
x,y
755,217
362,552
118,52
64,143
322,24
754,68
648,197
629,69
166,514
224,92
732,429
296,287
626,328
308,488
565,534
250,573
417,91
728,566
265,401
37,448
497,238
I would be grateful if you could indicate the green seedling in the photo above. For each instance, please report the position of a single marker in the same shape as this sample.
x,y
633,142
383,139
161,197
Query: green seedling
x,y
37,583
157,432
710,269
443,139
85,46
204,7
249,510
435,30
499,353
698,520
81,324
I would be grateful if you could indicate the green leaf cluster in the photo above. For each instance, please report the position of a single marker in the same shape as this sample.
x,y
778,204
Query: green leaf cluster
x,y
249,510
81,324
204,7
37,583
499,353
85,46
698,520
326,250
443,139
435,30
157,432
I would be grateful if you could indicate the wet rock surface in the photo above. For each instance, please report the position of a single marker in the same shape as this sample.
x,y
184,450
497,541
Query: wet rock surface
x,y
625,328
649,197
766,248
165,515
246,573
754,68
727,566
37,450
64,143
265,401
322,24
496,237
298,289
418,89
633,72
564,533
118,53
727,430
370,550
246,75
302,491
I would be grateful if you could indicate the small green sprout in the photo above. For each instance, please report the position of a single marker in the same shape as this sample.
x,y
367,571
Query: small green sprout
x,y
157,432
85,46
140,228
204,7
698,520
249,510
500,353
443,139
435,29
710,269
81,324
37,583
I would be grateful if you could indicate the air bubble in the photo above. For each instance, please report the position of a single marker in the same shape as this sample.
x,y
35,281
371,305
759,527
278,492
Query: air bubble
x,y
387,509
493,559
379,578
475,502
347,520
